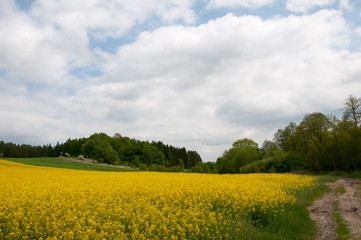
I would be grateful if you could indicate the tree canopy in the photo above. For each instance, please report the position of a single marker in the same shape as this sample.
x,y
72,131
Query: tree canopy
x,y
243,152
318,143
352,110
116,150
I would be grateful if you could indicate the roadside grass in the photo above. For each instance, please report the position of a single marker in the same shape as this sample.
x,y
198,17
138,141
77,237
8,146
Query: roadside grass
x,y
63,163
346,174
342,231
295,222
340,190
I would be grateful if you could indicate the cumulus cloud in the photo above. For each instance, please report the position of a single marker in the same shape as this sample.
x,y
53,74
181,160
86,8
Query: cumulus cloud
x,y
345,4
110,18
239,73
220,52
305,5
199,86
236,3
26,48
358,31
53,37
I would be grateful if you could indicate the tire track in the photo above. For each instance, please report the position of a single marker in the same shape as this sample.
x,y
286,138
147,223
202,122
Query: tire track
x,y
349,207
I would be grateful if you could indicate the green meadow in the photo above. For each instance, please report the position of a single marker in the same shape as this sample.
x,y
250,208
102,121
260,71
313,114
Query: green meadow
x,y
63,163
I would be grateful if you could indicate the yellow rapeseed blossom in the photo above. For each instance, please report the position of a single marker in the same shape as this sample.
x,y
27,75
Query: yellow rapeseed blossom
x,y
51,203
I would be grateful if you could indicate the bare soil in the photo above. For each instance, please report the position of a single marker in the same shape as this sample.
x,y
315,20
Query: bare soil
x,y
347,204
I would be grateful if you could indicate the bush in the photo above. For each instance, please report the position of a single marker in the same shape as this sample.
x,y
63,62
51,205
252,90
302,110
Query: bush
x,y
176,169
295,161
282,162
143,166
157,168
126,163
254,167
1,155
198,168
135,161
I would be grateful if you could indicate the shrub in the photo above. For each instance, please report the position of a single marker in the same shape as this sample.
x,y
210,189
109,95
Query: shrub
x,y
135,161
157,168
176,169
282,162
198,168
143,166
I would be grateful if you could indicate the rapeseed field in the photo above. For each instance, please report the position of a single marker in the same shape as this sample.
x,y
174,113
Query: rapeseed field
x,y
50,203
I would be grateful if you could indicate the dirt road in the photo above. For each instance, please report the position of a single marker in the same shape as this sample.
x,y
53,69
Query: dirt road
x,y
94,162
347,204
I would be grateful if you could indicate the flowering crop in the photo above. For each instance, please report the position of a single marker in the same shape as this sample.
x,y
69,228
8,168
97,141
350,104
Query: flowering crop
x,y
51,203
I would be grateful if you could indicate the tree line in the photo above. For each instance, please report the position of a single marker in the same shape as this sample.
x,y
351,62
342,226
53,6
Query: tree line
x,y
318,143
117,150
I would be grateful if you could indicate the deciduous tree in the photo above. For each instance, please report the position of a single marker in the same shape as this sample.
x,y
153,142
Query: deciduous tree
x,y
352,110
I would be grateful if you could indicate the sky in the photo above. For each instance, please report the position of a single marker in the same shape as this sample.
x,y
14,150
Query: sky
x,y
194,73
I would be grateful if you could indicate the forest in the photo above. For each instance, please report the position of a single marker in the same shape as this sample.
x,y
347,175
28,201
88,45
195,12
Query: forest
x,y
117,150
318,143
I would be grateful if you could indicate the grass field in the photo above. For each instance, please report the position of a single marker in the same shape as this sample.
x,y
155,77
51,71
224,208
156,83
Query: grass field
x,y
49,203
63,163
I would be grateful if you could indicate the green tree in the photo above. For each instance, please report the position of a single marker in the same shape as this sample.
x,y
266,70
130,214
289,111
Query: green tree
x,y
244,143
351,149
269,148
212,167
2,148
199,168
243,152
178,156
224,165
150,154
136,161
244,157
314,125
286,138
99,147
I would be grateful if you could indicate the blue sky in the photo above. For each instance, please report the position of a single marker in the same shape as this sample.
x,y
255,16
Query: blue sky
x,y
200,74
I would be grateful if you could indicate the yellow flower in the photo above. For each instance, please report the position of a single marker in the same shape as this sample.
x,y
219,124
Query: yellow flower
x,y
51,203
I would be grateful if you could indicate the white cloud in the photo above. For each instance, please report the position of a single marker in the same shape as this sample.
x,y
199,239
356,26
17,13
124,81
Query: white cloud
x,y
358,31
201,87
45,43
187,57
238,74
237,3
26,48
345,4
37,51
305,5
110,18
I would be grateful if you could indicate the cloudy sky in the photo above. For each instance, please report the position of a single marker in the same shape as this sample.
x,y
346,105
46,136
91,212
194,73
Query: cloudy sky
x,y
193,73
